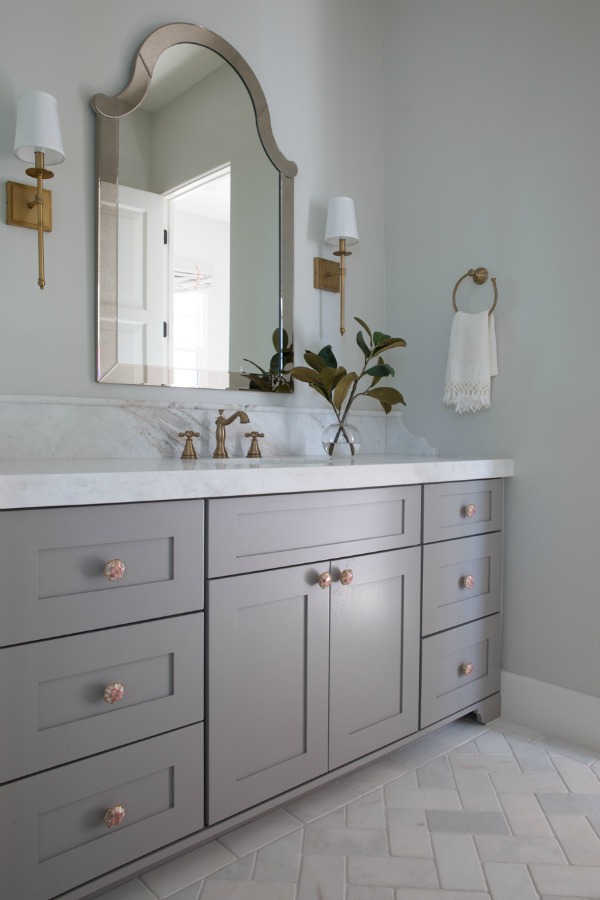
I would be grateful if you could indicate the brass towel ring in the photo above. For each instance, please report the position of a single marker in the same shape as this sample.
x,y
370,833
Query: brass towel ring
x,y
479,276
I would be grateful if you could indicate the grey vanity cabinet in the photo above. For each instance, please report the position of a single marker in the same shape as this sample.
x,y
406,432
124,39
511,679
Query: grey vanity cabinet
x,y
462,587
102,664
303,678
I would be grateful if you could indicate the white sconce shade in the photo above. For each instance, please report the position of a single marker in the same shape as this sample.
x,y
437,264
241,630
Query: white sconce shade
x,y
341,221
38,128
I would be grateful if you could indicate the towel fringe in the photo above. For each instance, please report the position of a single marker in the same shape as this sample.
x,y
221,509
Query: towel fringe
x,y
467,396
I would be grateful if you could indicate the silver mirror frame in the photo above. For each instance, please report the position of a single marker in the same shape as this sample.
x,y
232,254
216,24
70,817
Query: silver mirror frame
x,y
108,112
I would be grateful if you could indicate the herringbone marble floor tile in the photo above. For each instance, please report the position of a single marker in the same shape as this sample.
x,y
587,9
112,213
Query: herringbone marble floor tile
x,y
468,813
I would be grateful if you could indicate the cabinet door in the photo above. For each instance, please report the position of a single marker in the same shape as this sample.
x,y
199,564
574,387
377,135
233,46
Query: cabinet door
x,y
374,653
268,635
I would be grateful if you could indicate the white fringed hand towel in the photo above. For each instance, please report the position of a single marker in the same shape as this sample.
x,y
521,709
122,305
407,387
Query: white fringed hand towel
x,y
472,361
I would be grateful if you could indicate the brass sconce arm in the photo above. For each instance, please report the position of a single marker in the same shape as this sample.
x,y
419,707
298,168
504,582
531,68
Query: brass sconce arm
x,y
331,276
341,227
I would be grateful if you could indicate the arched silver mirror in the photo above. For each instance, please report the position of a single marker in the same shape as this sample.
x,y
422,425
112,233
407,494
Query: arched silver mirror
x,y
195,222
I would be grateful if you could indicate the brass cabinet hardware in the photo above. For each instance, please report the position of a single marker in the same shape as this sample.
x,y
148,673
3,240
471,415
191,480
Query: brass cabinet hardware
x,y
324,580
479,276
466,669
347,576
114,816
114,692
114,569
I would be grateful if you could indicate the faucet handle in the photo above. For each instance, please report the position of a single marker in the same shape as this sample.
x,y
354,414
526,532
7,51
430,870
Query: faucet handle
x,y
189,451
254,451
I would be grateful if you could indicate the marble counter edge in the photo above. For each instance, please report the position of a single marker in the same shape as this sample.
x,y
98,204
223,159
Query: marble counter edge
x,y
46,483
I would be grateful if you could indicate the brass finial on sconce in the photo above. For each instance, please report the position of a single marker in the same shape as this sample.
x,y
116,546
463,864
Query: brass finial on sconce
x,y
38,140
341,226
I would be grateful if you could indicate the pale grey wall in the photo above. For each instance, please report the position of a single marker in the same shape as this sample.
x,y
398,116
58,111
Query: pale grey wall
x,y
318,63
492,142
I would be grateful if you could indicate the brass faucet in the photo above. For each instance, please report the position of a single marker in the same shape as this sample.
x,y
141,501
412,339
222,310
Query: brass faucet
x,y
221,451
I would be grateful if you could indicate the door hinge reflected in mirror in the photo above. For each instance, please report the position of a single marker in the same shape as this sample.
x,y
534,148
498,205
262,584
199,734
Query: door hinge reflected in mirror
x,y
165,329
165,235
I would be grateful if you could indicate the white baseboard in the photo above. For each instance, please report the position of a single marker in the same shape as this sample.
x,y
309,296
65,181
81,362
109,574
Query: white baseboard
x,y
551,709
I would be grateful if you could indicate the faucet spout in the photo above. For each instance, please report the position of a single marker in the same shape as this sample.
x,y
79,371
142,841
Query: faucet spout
x,y
240,414
221,423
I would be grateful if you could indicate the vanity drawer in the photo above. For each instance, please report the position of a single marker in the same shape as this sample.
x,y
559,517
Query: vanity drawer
x,y
461,508
247,534
54,835
462,580
53,560
57,713
445,688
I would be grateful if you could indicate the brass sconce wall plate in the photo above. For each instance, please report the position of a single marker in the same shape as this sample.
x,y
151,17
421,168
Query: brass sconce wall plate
x,y
326,275
18,210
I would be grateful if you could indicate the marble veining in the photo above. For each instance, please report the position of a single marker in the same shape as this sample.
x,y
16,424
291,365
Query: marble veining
x,y
80,428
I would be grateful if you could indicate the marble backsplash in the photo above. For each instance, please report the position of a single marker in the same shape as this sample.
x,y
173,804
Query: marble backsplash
x,y
79,428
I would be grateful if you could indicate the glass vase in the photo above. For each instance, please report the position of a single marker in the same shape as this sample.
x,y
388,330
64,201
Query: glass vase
x,y
341,440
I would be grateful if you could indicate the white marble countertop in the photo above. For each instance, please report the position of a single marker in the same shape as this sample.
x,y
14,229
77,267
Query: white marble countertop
x,y
54,482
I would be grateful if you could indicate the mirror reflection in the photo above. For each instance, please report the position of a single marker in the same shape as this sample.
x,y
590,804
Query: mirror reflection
x,y
195,224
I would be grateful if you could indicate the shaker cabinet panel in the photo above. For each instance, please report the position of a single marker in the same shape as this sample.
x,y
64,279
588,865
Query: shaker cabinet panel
x,y
246,534
459,667
54,566
267,676
374,682
462,508
55,834
462,580
69,704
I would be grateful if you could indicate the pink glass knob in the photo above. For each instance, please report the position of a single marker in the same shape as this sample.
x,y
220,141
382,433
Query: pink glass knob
x,y
466,669
347,576
114,816
114,692
324,580
470,510
468,581
114,569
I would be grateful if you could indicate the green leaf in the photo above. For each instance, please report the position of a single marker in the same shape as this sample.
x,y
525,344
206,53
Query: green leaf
x,y
321,390
284,337
314,360
380,371
392,342
255,364
361,343
342,388
379,337
301,373
339,373
388,395
364,325
328,357
328,377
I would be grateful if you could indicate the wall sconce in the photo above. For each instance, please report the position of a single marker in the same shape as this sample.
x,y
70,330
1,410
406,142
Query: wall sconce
x,y
37,140
341,226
